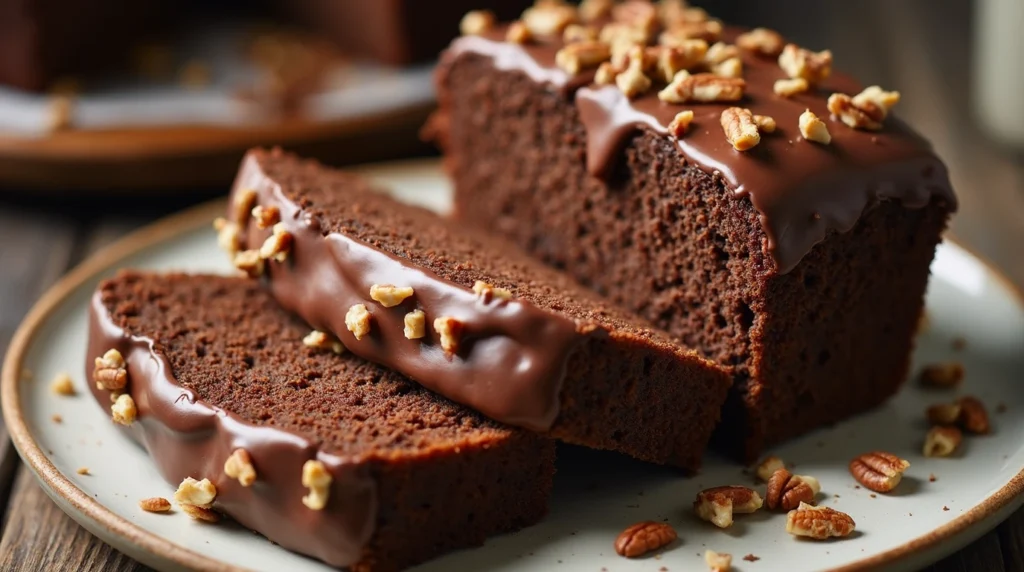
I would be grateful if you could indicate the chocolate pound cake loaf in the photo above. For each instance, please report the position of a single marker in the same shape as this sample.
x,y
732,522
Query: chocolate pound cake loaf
x,y
466,315
324,454
722,183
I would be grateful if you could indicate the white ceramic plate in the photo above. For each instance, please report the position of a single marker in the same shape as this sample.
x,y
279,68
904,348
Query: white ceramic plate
x,y
596,494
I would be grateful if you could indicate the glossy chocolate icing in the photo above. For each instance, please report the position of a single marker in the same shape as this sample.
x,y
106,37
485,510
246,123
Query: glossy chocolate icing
x,y
512,357
801,190
187,437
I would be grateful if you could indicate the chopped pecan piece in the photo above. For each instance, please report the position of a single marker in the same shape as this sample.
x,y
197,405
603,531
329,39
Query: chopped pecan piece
x,y
277,245
110,372
415,325
973,415
813,128
123,411
238,466
579,56
357,320
389,295
942,441
680,123
62,385
155,504
717,505
762,41
702,87
450,330
718,561
942,375
318,480
266,217
477,22
798,62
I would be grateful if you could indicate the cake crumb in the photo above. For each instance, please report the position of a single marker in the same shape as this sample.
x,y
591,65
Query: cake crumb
x,y
62,385
751,558
874,496
932,478
83,471
945,508
56,418
958,344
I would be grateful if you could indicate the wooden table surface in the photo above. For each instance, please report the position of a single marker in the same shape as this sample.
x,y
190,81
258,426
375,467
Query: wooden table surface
x,y
920,47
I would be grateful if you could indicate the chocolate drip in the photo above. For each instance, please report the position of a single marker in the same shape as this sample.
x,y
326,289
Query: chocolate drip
x,y
512,356
187,437
801,189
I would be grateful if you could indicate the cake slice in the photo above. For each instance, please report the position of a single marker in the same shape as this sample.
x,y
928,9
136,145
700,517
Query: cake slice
x,y
799,261
327,455
466,315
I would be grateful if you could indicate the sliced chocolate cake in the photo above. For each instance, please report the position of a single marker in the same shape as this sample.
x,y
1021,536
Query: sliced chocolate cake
x,y
324,454
467,315
722,183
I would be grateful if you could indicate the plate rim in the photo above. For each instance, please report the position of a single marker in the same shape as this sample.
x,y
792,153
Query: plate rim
x,y
190,220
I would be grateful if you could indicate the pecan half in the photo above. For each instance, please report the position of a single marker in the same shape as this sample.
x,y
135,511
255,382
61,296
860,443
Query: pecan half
x,y
787,491
878,471
644,537
818,522
717,505
740,128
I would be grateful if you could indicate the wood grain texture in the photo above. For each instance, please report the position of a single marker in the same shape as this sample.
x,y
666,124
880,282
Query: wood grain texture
x,y
39,536
35,249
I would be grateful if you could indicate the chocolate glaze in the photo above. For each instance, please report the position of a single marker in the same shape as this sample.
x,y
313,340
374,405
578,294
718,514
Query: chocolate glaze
x,y
802,190
512,357
188,437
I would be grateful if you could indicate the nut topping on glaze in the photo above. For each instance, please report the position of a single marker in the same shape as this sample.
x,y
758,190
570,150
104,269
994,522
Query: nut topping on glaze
x,y
548,19
942,441
239,466
324,341
389,295
798,62
415,325
476,22
681,123
787,491
644,537
866,110
249,262
488,292
450,330
762,41
266,217
673,59
812,128
357,320
243,205
740,128
591,10
717,505
277,245
790,87
123,411
196,493
720,52
110,372
518,33
579,56
577,33
702,87
818,522
229,235
878,471
316,478
633,82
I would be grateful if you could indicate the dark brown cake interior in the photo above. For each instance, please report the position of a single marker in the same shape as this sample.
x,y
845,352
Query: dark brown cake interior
x,y
347,204
229,342
445,477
